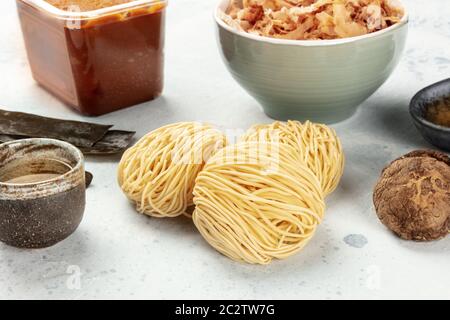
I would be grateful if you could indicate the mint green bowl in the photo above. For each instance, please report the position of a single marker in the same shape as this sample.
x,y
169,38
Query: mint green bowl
x,y
319,80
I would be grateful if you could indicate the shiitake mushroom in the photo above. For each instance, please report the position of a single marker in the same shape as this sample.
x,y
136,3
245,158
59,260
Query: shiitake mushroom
x,y
412,197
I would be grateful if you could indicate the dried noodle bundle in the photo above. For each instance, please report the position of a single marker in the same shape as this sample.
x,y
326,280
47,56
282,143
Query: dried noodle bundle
x,y
316,144
158,173
257,202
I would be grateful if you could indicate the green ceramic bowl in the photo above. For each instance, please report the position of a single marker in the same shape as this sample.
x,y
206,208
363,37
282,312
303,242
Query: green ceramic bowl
x,y
318,80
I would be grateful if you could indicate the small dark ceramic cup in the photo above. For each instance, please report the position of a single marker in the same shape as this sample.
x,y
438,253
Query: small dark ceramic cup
x,y
433,133
40,214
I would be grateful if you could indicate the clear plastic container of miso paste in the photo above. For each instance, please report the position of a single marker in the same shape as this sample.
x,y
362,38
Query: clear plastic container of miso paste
x,y
96,55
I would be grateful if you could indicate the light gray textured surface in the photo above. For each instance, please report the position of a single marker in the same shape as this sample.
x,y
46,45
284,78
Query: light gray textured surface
x,y
121,254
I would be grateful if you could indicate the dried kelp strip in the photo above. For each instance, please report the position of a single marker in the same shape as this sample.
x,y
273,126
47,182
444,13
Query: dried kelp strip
x,y
115,141
7,138
81,134
88,178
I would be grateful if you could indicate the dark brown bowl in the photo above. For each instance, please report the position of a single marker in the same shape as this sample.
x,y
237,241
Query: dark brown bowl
x,y
435,134
40,214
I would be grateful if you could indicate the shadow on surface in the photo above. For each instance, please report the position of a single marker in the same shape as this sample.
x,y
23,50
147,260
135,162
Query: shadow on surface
x,y
392,120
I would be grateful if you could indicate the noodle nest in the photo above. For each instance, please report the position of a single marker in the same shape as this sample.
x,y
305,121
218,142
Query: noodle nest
x,y
316,144
256,202
158,173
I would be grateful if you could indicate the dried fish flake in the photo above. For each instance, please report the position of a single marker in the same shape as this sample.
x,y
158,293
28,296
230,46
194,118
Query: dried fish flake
x,y
312,19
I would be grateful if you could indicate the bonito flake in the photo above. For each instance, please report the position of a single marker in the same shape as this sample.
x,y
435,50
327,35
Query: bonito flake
x,y
312,19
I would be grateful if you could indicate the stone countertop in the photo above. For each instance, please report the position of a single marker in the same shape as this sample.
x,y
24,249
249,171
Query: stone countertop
x,y
117,253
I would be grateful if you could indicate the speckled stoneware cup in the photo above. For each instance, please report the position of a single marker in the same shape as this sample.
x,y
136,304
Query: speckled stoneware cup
x,y
319,80
38,215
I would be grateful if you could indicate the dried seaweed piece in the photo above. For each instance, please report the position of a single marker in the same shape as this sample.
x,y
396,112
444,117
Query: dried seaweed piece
x,y
81,134
312,19
115,141
7,138
88,178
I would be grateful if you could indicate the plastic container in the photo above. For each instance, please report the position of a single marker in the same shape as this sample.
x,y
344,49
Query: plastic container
x,y
96,61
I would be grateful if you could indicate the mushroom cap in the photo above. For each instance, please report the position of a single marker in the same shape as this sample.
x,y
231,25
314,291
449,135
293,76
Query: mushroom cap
x,y
412,197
